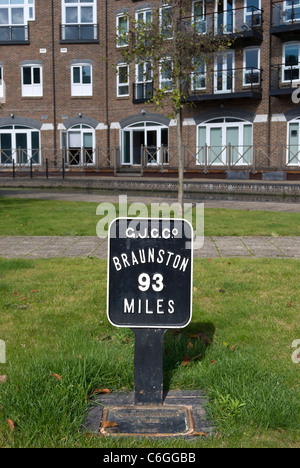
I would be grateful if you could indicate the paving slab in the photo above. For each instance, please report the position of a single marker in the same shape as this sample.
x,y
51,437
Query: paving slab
x,y
231,247
262,247
289,246
54,247
83,247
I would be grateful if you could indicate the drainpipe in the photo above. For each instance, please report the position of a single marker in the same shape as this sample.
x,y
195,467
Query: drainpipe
x,y
53,84
106,77
269,97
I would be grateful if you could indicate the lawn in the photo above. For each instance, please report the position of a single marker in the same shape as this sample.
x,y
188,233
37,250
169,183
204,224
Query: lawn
x,y
28,217
61,348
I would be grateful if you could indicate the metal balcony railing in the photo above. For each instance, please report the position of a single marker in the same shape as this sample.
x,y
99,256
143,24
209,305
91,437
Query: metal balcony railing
x,y
244,21
233,82
285,13
14,34
284,77
76,33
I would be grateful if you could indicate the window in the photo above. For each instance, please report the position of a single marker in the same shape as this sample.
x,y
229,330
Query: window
x,y
14,16
79,19
293,149
2,95
291,11
122,80
291,62
166,22
199,20
122,30
199,75
225,137
19,144
224,73
144,17
251,71
148,138
165,75
78,144
81,80
143,81
32,81
252,13
225,17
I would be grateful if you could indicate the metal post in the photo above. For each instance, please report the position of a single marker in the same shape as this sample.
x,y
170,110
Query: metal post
x,y
14,169
63,168
148,366
47,175
30,168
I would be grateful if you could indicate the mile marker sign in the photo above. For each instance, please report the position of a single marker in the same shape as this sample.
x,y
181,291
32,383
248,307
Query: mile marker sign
x,y
150,273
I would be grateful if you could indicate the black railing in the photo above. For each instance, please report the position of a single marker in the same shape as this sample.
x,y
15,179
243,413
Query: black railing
x,y
76,33
238,21
142,92
14,34
285,13
284,77
233,82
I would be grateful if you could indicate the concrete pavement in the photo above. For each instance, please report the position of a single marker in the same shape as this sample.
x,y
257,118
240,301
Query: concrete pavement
x,y
214,247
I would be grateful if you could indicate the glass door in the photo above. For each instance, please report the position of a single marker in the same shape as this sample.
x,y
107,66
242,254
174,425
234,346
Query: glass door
x,y
6,148
216,147
21,148
224,16
224,73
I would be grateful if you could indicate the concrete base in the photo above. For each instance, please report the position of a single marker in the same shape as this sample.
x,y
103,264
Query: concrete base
x,y
274,176
181,415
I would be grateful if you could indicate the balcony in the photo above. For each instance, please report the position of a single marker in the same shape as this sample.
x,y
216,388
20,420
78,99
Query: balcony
x,y
142,92
14,35
237,23
284,79
285,17
235,83
79,33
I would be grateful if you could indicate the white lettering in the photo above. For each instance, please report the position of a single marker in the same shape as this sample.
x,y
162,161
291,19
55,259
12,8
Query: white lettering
x,y
128,309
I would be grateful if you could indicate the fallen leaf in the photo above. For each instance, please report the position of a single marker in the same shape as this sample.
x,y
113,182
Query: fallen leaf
x,y
194,335
56,376
205,338
101,390
190,345
213,361
11,424
209,259
34,291
290,303
16,293
107,424
3,378
222,291
186,360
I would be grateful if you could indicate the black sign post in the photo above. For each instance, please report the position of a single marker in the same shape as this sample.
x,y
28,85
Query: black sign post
x,y
150,270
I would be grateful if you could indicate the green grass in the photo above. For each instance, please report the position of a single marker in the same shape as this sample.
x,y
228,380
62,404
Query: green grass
x,y
53,321
26,217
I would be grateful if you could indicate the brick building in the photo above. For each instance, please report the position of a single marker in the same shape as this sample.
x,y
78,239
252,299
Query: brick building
x,y
68,97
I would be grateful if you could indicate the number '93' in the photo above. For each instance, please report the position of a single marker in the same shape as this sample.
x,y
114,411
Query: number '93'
x,y
171,457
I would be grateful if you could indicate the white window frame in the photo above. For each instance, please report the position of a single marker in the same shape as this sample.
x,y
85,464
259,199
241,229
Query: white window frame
x,y
143,12
248,15
82,129
122,84
78,5
2,85
163,80
247,73
32,89
240,123
224,20
81,89
224,75
290,67
199,75
170,27
199,23
28,7
291,122
29,151
121,41
287,8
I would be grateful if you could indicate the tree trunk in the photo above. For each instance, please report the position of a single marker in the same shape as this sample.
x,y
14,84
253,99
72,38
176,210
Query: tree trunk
x,y
180,162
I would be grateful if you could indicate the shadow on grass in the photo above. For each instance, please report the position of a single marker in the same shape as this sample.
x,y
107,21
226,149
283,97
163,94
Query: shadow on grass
x,y
184,347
